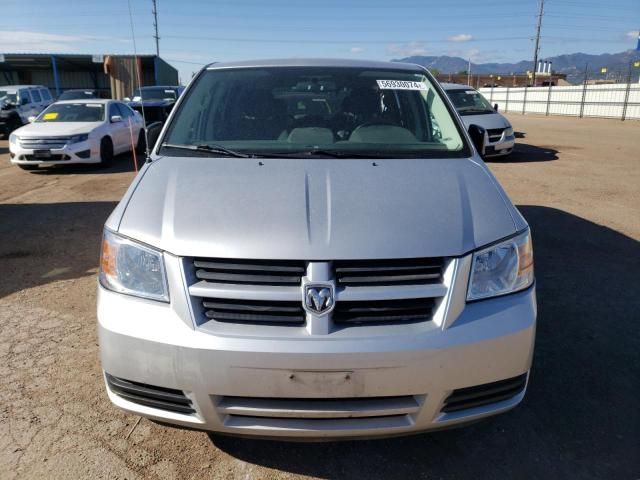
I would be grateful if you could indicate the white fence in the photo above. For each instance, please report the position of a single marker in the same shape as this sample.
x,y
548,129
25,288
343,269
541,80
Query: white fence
x,y
619,100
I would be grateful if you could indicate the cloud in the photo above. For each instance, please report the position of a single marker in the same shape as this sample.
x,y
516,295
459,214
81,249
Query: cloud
x,y
462,37
356,50
632,35
24,41
406,49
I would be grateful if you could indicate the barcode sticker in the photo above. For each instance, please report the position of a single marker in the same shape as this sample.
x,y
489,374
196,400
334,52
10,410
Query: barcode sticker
x,y
401,85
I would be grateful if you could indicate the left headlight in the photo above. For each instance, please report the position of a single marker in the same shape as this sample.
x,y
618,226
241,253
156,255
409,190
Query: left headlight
x,y
79,138
132,268
503,268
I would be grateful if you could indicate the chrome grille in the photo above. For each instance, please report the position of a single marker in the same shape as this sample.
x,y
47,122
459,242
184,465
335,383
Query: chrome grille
x,y
494,134
229,295
43,143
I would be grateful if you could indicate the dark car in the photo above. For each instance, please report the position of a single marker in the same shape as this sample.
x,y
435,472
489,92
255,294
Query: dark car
x,y
155,103
9,116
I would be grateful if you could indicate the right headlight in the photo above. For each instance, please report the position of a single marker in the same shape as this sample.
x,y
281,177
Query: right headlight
x,y
503,268
131,268
13,139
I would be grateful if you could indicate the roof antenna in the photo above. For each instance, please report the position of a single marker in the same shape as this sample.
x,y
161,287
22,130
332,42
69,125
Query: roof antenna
x,y
139,79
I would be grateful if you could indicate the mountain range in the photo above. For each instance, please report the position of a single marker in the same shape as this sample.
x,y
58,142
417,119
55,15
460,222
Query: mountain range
x,y
573,65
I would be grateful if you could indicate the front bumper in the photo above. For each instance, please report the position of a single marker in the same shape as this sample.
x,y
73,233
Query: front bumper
x,y
501,147
81,152
237,384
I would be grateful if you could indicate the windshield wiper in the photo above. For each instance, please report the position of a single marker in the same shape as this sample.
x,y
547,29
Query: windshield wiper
x,y
220,150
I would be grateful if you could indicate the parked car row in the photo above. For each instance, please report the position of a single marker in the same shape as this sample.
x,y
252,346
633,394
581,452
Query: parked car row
x,y
80,127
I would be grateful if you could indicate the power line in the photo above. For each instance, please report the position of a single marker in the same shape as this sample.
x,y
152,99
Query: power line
x,y
155,26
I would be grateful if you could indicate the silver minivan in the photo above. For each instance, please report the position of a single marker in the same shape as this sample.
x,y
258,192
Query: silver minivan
x,y
474,109
316,250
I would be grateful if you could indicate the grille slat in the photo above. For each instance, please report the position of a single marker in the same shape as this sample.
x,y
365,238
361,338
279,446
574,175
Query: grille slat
x,y
470,397
418,271
151,396
254,311
318,408
250,278
250,272
384,311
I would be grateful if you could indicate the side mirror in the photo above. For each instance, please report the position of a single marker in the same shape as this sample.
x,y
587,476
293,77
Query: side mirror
x,y
31,119
477,134
153,132
126,99
116,119
495,107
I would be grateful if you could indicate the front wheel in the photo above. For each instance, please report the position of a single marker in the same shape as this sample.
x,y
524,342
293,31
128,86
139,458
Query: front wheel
x,y
106,151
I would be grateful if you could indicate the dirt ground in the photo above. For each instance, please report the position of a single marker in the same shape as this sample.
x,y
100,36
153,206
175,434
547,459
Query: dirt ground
x,y
577,181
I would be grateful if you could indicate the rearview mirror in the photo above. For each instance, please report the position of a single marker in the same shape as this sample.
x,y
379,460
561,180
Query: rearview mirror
x,y
153,132
477,134
116,119
495,107
31,119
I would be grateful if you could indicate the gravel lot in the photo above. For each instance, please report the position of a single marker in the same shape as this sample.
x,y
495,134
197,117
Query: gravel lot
x,y
577,181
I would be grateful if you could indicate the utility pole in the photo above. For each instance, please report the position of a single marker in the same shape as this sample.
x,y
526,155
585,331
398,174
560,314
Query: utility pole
x,y
537,48
155,26
469,72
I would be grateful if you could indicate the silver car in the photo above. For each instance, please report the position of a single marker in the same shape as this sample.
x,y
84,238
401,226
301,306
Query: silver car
x,y
306,255
474,109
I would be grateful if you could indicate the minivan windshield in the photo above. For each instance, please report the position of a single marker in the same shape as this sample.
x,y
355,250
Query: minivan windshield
x,y
77,95
8,96
469,101
72,112
154,94
300,111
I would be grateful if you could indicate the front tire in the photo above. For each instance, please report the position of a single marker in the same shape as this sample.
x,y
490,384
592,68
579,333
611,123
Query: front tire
x,y
106,151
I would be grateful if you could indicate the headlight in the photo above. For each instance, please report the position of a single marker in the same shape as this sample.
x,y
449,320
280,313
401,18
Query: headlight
x,y
131,268
79,138
508,132
502,268
13,139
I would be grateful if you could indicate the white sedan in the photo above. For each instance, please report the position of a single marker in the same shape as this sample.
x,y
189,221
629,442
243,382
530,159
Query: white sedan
x,y
77,131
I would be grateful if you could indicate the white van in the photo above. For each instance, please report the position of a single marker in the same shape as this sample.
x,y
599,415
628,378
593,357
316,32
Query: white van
x,y
29,100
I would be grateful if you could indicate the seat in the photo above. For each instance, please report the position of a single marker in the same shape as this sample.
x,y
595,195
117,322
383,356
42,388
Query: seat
x,y
311,136
260,117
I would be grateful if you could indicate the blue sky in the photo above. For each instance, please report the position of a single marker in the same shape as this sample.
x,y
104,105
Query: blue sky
x,y
195,32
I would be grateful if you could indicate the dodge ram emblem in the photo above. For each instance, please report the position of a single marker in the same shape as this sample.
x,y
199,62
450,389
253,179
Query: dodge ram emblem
x,y
318,299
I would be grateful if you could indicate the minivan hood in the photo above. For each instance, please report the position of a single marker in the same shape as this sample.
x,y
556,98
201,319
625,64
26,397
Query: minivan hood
x,y
319,209
486,120
54,129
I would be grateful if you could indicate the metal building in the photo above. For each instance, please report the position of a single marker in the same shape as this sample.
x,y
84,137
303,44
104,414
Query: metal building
x,y
113,75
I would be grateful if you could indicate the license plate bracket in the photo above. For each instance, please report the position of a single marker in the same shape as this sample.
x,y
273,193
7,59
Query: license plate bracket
x,y
42,154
